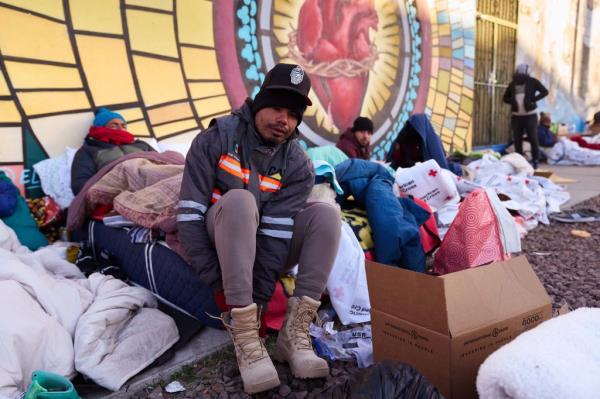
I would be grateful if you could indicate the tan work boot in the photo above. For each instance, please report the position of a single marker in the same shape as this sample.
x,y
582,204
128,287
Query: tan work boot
x,y
256,367
293,342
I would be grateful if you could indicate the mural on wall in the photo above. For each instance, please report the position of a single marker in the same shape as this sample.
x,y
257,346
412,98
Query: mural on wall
x,y
560,43
170,66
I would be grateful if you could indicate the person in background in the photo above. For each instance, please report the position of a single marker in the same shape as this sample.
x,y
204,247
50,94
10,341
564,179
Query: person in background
x,y
356,141
594,125
522,93
545,136
244,219
106,141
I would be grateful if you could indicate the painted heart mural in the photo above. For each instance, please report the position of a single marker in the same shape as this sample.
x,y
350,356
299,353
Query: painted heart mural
x,y
373,58
332,41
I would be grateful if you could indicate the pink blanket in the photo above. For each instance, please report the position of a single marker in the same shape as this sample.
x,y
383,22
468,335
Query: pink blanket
x,y
141,190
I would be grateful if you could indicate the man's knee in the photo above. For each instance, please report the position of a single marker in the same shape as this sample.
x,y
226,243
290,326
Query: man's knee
x,y
239,201
322,217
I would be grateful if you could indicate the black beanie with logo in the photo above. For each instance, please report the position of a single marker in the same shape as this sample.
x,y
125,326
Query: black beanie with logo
x,y
285,86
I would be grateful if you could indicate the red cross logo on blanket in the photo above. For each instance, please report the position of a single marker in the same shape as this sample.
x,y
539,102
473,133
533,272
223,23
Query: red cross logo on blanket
x,y
432,173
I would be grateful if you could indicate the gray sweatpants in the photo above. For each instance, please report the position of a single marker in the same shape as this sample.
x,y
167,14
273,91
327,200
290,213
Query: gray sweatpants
x,y
232,224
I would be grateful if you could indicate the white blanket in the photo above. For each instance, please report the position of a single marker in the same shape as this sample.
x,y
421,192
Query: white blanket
x,y
46,304
567,152
558,359
533,197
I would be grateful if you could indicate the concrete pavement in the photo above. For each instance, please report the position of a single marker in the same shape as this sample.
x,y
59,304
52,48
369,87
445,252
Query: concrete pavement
x,y
586,182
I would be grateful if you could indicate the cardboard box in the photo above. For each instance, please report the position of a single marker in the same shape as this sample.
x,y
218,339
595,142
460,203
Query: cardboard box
x,y
446,326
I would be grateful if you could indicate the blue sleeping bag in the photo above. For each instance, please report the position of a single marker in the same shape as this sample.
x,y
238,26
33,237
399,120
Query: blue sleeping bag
x,y
394,221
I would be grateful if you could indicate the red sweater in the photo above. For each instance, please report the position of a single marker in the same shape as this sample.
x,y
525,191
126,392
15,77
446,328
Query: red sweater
x,y
352,147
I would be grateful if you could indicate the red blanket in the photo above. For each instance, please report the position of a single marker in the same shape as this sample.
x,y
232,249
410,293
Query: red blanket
x,y
584,144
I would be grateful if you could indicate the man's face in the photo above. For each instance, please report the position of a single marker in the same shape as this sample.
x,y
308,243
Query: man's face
x,y
275,125
363,137
116,124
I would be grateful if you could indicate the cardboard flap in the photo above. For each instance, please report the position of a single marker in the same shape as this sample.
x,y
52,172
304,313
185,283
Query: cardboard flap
x,y
487,294
408,295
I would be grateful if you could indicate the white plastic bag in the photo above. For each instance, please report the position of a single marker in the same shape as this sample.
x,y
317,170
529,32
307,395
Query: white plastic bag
x,y
428,182
347,283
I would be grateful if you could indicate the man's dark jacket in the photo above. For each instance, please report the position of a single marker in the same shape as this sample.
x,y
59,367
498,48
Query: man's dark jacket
x,y
534,92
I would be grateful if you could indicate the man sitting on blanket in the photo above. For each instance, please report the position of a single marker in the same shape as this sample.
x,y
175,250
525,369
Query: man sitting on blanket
x,y
106,141
243,219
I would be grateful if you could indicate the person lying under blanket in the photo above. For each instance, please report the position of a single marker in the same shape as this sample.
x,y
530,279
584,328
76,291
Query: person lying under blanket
x,y
106,141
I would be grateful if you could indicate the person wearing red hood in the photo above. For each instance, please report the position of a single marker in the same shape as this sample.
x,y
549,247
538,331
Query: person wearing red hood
x,y
355,141
106,141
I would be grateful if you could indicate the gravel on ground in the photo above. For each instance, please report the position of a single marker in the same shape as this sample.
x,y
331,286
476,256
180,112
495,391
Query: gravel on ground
x,y
567,265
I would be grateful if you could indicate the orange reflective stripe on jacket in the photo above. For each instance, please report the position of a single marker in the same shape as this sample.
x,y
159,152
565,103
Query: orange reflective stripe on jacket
x,y
233,167
269,184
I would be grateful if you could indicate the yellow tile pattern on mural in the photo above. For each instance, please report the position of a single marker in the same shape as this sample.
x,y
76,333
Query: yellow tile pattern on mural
x,y
208,89
9,112
131,114
437,119
11,149
106,17
195,22
466,104
200,63
175,127
169,113
443,82
25,75
139,128
51,8
453,106
165,5
160,81
3,86
104,81
21,34
151,32
444,30
211,106
46,102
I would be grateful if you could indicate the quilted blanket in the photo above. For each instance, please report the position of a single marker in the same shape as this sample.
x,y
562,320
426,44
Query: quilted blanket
x,y
141,190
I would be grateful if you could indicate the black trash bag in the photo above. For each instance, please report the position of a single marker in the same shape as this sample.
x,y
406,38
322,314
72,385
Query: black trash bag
x,y
385,380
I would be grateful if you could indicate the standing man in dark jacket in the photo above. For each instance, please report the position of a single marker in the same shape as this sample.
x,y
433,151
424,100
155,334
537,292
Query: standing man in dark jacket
x,y
522,94
243,219
356,141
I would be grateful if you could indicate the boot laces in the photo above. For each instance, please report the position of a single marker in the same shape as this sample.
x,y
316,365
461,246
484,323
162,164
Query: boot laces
x,y
245,339
302,321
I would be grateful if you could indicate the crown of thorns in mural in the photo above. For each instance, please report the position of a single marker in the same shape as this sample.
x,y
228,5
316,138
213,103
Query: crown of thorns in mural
x,y
335,47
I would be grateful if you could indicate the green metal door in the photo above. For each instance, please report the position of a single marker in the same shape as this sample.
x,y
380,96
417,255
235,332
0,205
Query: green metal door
x,y
495,50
